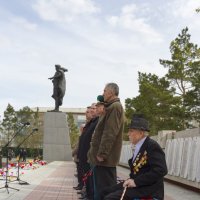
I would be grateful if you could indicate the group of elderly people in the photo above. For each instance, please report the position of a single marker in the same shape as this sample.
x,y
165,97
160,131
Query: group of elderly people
x,y
99,148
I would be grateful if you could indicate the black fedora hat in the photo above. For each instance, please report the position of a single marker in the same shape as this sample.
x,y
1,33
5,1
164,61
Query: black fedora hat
x,y
139,122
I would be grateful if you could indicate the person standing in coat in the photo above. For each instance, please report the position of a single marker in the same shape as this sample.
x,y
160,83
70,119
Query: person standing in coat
x,y
24,155
106,143
83,150
147,167
80,171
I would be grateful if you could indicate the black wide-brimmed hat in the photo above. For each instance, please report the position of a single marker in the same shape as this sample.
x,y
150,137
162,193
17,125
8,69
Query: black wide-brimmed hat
x,y
139,122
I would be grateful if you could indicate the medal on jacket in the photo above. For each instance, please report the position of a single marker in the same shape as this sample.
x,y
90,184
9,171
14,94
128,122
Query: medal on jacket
x,y
139,162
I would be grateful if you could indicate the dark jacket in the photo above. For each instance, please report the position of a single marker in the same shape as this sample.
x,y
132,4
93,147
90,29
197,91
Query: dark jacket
x,y
107,138
81,140
75,151
148,170
86,139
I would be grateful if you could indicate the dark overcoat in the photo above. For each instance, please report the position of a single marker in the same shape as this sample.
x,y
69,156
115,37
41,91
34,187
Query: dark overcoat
x,y
147,169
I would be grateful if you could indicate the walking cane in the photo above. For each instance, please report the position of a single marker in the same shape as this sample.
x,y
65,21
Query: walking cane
x,y
123,193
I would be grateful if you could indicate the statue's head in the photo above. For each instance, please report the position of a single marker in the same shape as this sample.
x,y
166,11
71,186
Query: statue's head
x,y
57,67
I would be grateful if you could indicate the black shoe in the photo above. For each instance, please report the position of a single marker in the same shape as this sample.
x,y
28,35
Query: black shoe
x,y
84,196
78,187
81,192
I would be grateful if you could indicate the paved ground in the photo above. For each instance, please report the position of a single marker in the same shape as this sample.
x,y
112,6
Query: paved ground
x,y
55,181
50,182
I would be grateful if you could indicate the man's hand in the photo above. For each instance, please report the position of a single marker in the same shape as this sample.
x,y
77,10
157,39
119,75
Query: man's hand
x,y
100,159
129,183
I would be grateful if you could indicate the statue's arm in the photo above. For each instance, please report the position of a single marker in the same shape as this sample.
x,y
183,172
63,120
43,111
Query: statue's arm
x,y
57,75
64,69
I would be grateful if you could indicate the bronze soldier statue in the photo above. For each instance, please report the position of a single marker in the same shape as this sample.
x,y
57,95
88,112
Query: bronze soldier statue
x,y
59,86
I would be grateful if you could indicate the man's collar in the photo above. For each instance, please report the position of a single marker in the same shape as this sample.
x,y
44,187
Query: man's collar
x,y
140,142
112,101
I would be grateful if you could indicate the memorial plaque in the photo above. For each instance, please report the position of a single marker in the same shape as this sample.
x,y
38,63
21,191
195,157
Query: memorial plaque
x,y
198,161
192,160
171,160
174,156
126,154
178,156
122,154
167,152
185,157
129,152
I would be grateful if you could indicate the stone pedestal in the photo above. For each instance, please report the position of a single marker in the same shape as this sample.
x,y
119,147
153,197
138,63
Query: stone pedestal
x,y
56,141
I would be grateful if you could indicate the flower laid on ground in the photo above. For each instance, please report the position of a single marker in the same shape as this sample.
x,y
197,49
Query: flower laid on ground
x,y
13,167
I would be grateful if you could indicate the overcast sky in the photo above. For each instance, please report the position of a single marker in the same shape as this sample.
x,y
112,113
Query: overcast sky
x,y
98,41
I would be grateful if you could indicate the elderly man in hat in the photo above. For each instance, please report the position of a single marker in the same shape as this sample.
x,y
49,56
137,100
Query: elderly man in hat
x,y
147,167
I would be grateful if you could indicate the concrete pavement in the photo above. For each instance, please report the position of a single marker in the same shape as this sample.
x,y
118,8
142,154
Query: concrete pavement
x,y
53,181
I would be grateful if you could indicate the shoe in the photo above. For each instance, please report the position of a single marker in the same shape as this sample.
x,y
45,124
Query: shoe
x,y
81,192
78,187
84,196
